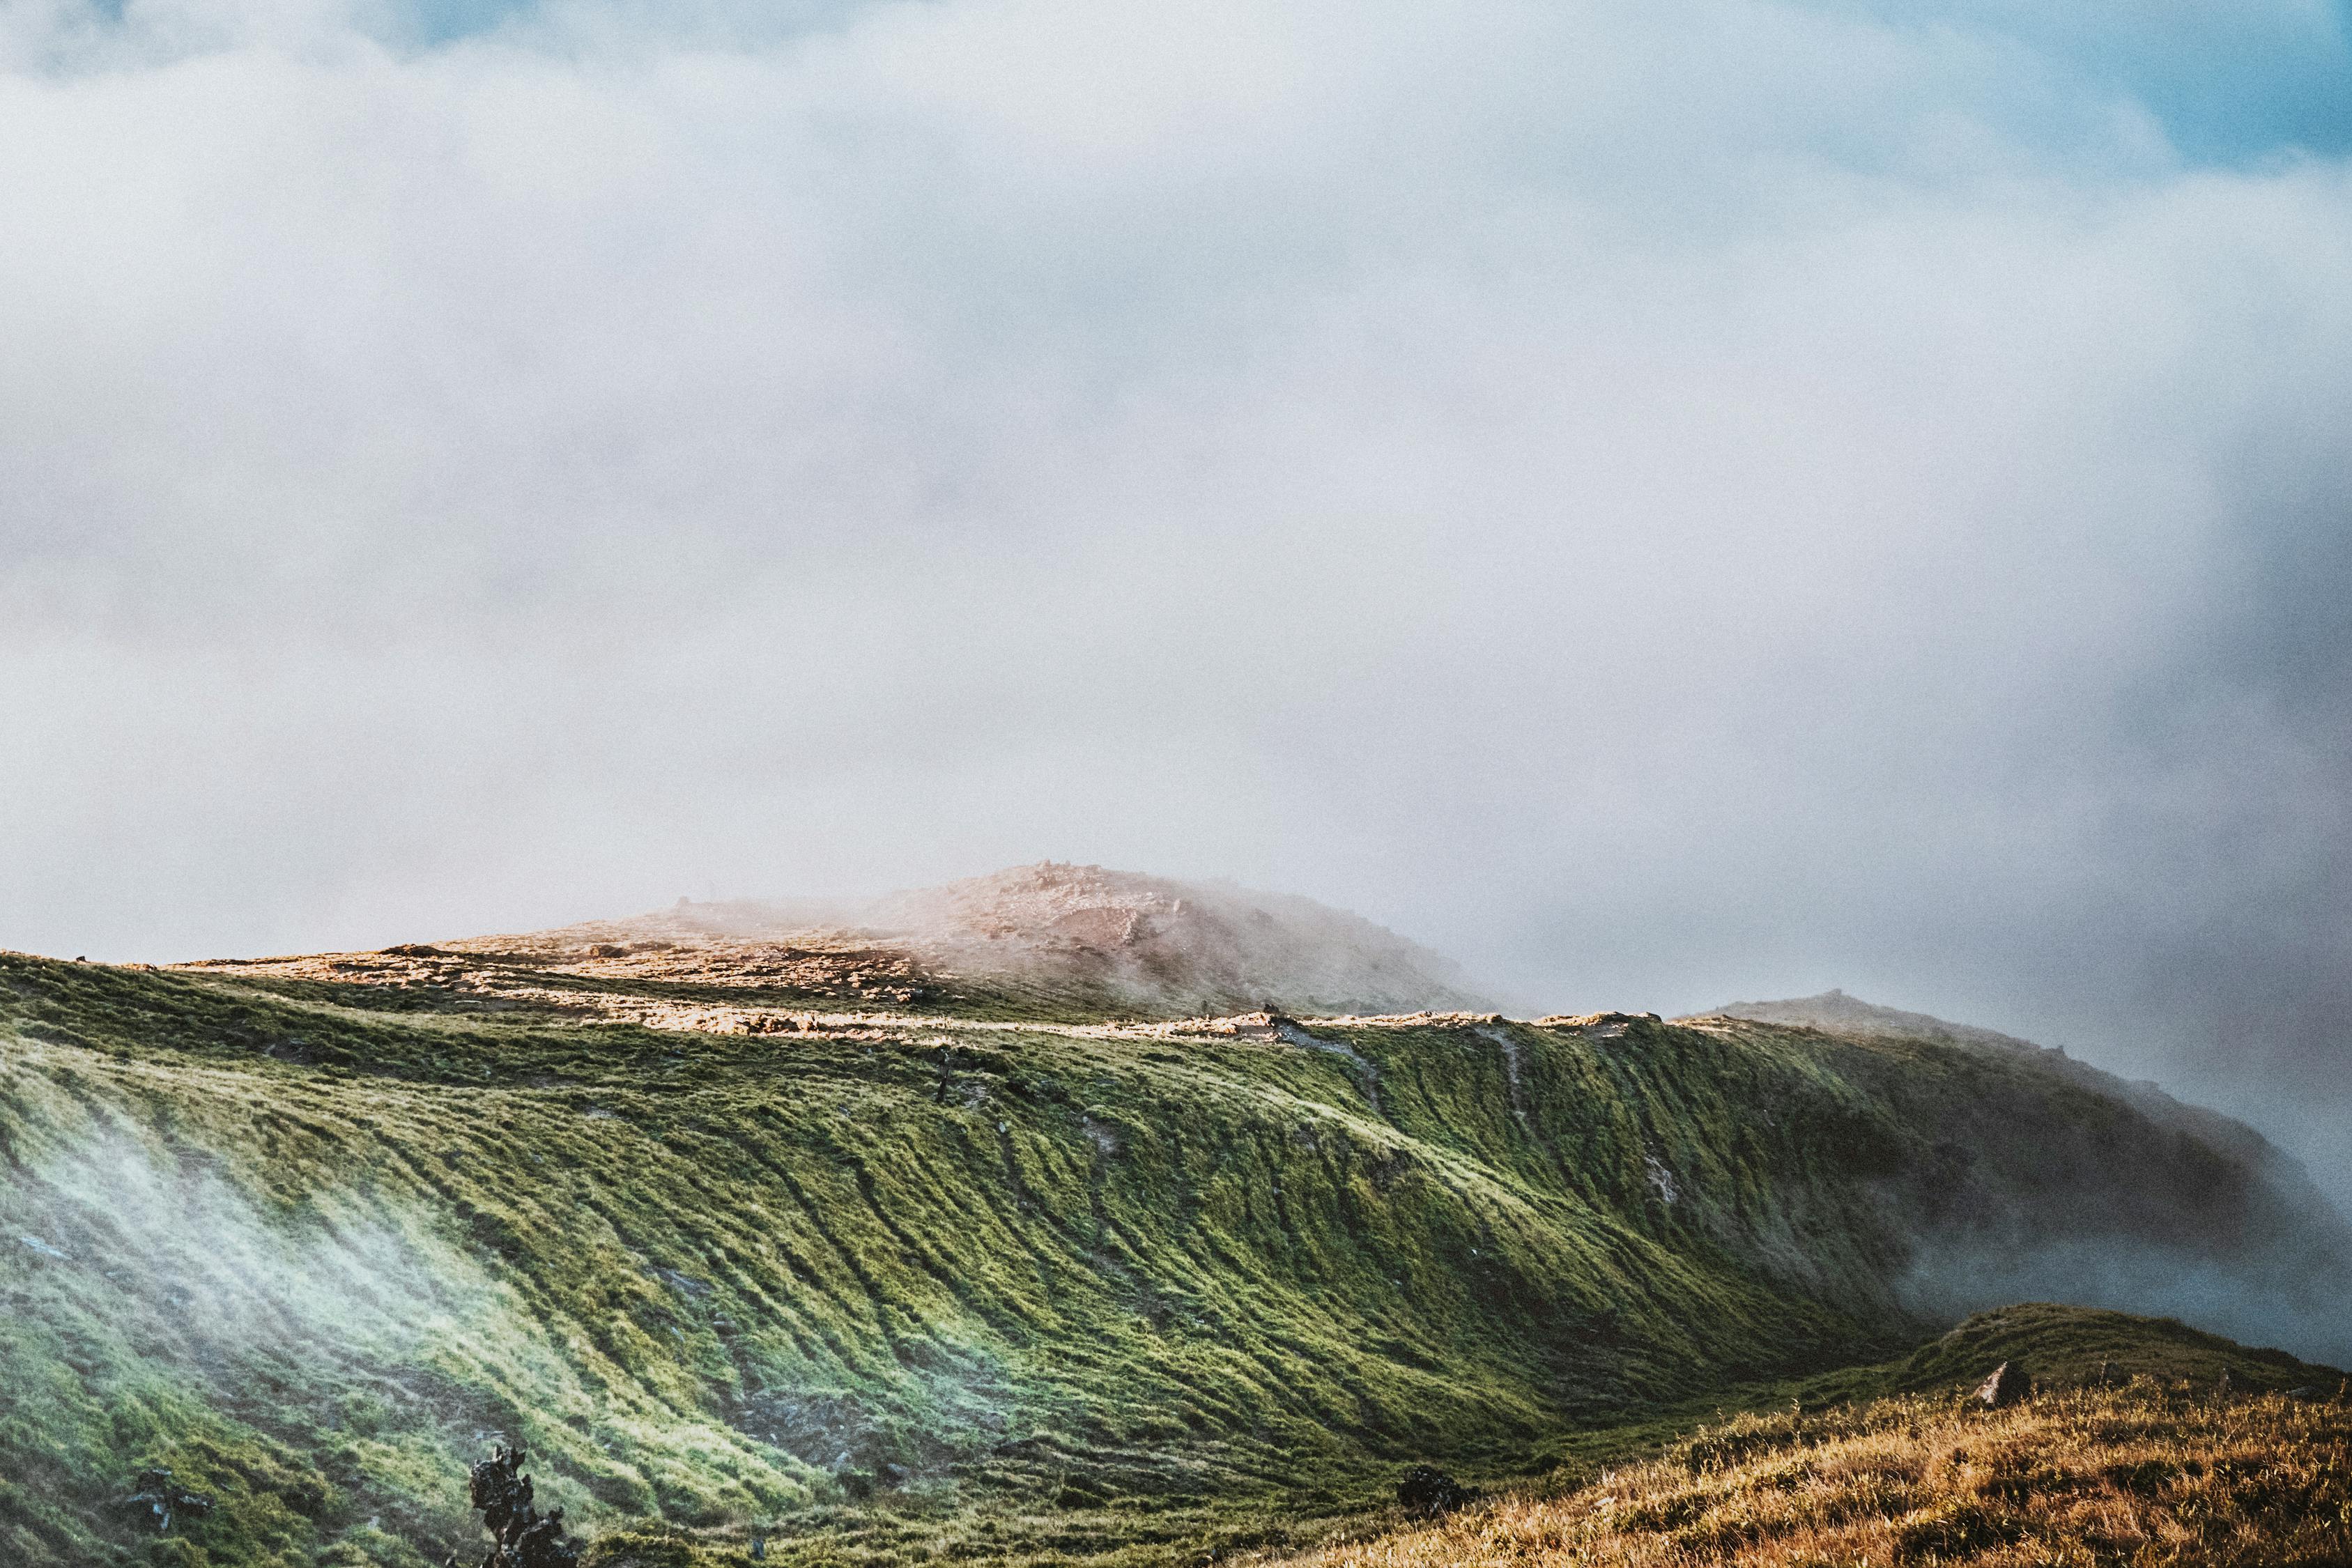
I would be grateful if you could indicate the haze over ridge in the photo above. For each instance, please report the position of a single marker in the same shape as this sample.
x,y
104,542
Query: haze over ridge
x,y
1661,503
1164,945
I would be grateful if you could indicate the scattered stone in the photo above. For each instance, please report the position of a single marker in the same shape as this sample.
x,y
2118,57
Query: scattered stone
x,y
524,1538
164,1501
1428,1492
2002,1388
1662,1180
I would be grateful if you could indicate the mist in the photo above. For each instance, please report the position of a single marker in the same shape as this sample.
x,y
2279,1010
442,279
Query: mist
x,y
186,1263
1661,503
2252,1299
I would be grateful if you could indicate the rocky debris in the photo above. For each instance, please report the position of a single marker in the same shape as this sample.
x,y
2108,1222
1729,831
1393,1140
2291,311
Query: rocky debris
x,y
1599,1026
1661,1179
1428,1492
163,1501
524,1538
2004,1387
1243,1026
508,973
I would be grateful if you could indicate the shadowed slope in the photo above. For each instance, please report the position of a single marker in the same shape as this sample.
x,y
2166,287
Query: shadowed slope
x,y
2216,1224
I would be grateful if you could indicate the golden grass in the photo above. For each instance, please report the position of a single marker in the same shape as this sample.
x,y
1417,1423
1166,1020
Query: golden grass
x,y
2144,1476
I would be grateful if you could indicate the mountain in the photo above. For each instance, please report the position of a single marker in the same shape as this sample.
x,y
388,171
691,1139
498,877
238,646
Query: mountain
x,y
1173,947
1055,942
843,1233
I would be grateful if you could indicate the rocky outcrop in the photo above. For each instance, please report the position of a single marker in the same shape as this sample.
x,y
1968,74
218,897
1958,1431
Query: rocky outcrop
x,y
1428,1492
524,1537
2004,1387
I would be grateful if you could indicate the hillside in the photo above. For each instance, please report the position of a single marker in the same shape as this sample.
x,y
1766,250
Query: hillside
x,y
2149,1471
748,1234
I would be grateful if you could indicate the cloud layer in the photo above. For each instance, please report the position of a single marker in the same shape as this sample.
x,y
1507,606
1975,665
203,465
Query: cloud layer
x,y
1667,502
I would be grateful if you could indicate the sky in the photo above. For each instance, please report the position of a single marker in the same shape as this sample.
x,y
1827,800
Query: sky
x,y
1666,501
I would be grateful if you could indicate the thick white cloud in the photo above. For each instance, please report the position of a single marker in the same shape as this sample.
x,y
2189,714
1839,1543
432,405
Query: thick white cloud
x,y
1668,502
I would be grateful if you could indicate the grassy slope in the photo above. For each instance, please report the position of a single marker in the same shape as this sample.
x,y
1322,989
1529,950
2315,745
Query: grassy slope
x,y
933,1285
2148,1473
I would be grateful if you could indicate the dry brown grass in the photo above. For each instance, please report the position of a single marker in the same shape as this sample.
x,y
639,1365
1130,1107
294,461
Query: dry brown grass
x,y
2141,1475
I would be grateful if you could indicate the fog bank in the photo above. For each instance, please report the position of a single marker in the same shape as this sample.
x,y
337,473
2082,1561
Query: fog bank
x,y
1662,503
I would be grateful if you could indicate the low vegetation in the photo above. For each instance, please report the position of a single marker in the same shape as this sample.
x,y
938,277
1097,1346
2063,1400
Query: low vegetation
x,y
2143,1474
882,1286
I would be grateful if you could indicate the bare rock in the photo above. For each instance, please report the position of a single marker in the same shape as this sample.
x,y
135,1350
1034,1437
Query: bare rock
x,y
1428,1492
2002,1388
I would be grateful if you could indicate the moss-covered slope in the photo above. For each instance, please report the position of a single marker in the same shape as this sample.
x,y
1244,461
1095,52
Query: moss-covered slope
x,y
308,1253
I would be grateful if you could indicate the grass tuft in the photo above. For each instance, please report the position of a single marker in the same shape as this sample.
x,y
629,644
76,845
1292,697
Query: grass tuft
x,y
2148,1474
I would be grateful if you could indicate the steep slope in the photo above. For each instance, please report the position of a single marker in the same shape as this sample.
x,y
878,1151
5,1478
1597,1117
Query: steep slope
x,y
2268,1263
310,1242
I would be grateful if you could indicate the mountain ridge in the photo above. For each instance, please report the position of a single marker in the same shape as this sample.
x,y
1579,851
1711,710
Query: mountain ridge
x,y
736,1235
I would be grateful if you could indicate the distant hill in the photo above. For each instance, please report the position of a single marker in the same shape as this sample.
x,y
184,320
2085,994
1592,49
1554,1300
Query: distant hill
x,y
1834,1010
1050,942
1168,946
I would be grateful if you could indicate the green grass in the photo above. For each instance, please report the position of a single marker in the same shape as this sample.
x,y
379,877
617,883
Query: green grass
x,y
936,1288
